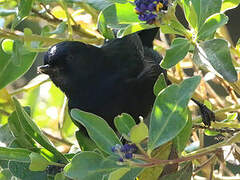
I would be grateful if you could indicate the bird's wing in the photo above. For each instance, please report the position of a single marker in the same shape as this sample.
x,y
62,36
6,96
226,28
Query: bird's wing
x,y
125,54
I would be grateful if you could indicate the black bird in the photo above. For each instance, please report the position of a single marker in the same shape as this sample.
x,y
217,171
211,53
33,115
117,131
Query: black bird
x,y
107,81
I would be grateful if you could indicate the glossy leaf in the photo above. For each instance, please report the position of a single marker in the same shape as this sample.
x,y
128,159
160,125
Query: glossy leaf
x,y
183,137
169,114
98,129
15,154
211,25
13,66
196,12
89,165
124,123
21,137
32,130
159,85
214,55
178,50
229,4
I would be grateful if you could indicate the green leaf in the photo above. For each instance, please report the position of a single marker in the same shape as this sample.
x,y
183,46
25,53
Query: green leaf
x,y
183,174
116,175
173,27
13,66
124,123
132,28
38,163
119,14
21,171
7,46
15,154
214,55
139,132
21,137
6,136
183,137
210,132
103,28
196,11
98,129
229,4
169,114
211,25
159,85
178,50
89,166
24,8
153,173
5,174
132,174
32,130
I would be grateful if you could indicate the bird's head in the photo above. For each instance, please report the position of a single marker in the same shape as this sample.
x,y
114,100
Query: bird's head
x,y
68,63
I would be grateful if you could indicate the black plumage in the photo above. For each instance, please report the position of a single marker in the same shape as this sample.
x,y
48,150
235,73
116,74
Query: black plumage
x,y
107,81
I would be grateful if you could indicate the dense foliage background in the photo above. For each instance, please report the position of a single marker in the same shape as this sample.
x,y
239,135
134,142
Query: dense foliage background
x,y
37,136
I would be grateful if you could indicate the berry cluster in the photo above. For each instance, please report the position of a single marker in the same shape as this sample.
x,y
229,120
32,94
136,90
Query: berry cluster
x,y
125,152
148,9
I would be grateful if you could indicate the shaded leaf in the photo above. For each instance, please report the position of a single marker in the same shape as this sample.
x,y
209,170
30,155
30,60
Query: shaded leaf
x,y
89,165
183,137
21,170
162,153
32,130
116,175
98,129
38,163
15,154
124,123
183,174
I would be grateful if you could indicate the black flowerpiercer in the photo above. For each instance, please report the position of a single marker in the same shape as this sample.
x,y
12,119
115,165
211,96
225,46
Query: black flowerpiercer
x,y
107,81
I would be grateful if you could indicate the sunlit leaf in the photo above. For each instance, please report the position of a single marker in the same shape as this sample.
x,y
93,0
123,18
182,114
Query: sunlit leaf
x,y
214,55
178,50
169,114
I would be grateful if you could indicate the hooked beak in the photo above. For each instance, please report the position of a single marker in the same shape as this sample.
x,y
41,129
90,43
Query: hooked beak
x,y
45,69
